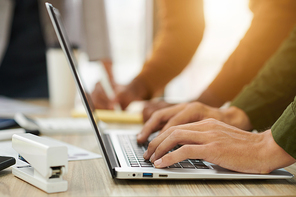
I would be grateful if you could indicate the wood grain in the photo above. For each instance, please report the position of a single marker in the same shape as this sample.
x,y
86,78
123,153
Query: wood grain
x,y
91,178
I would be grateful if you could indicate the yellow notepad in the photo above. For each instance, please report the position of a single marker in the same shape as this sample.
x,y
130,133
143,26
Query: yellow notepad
x,y
113,116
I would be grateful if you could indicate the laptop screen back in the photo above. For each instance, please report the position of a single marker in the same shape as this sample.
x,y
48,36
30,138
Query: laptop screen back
x,y
55,19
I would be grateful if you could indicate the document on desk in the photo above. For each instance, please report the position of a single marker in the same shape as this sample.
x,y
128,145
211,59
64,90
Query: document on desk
x,y
113,116
74,153
132,114
9,107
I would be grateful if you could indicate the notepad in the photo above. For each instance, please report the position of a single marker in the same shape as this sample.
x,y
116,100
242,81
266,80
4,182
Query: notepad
x,y
113,116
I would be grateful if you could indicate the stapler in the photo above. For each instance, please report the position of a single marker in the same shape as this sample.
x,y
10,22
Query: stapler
x,y
48,162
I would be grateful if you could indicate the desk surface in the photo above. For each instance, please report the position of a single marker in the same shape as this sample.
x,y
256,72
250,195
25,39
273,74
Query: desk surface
x,y
91,178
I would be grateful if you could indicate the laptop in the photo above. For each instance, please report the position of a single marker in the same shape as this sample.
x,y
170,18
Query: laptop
x,y
121,153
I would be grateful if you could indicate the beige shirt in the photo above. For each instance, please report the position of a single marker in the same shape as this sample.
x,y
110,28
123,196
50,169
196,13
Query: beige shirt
x,y
85,23
181,31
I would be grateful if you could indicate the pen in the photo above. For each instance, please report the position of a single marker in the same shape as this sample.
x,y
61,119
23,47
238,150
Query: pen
x,y
7,133
108,88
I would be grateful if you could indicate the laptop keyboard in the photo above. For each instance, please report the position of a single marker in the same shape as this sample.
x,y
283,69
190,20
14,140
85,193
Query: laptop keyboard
x,y
134,154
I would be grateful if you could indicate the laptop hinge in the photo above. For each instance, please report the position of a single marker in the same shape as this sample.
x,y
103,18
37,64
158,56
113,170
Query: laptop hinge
x,y
111,153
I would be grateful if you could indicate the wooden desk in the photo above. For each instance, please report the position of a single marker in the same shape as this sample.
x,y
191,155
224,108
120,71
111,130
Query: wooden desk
x,y
91,178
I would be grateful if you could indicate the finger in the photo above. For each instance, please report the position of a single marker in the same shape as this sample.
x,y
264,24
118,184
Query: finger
x,y
204,125
172,137
185,152
157,118
215,125
124,98
187,115
203,130
149,108
155,143
180,137
192,112
212,124
100,98
147,112
160,138
152,106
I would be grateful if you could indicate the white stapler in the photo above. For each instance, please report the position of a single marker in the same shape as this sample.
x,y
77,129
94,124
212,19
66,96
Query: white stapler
x,y
48,162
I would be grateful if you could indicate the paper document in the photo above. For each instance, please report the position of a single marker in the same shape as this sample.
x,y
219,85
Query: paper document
x,y
74,152
9,107
113,116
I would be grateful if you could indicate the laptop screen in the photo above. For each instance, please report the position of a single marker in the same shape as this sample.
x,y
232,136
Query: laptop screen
x,y
55,19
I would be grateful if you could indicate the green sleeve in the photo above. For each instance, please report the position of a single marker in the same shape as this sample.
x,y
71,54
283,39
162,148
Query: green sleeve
x,y
284,130
268,95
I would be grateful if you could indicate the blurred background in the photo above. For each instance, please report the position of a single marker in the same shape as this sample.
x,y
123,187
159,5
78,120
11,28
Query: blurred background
x,y
131,34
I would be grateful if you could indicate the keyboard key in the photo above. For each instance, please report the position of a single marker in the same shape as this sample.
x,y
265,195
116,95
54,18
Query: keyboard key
x,y
195,161
176,165
201,166
187,165
139,154
185,161
146,165
145,162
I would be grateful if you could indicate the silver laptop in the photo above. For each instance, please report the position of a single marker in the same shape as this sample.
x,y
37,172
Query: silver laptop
x,y
124,157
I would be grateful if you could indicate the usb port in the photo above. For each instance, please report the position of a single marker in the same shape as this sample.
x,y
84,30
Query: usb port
x,y
147,175
163,175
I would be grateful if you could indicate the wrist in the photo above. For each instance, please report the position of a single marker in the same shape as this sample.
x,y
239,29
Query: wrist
x,y
139,88
272,154
237,117
209,97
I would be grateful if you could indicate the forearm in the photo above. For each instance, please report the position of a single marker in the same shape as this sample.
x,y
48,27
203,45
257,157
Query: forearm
x,y
181,31
271,24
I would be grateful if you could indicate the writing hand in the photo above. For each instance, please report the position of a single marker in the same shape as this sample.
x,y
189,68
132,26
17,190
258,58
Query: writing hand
x,y
100,99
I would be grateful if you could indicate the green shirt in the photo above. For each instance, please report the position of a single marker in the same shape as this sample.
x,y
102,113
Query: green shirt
x,y
265,99
284,130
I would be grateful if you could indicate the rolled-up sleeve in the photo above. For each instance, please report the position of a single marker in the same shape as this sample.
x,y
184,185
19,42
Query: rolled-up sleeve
x,y
273,89
284,130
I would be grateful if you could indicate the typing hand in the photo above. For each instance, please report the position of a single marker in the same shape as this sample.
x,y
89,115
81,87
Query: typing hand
x,y
221,144
152,106
191,112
